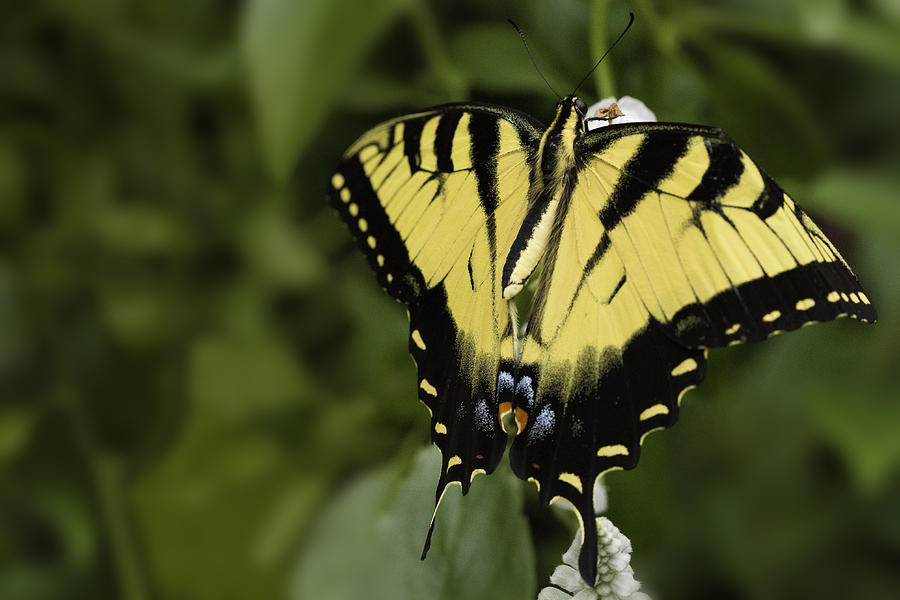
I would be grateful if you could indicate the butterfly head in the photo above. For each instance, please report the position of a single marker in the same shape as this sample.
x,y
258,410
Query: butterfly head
x,y
580,106
570,113
560,139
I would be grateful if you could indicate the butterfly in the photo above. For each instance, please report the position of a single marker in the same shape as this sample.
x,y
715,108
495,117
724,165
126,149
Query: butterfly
x,y
647,244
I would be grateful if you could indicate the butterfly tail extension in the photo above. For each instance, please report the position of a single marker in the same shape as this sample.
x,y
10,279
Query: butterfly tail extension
x,y
587,557
465,425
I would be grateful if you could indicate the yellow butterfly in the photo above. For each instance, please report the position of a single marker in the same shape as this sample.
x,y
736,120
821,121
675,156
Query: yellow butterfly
x,y
653,242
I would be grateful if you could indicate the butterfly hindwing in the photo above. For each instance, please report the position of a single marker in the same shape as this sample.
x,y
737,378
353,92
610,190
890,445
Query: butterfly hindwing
x,y
423,195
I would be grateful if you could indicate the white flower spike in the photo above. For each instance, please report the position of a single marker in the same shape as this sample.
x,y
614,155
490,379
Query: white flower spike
x,y
632,111
615,577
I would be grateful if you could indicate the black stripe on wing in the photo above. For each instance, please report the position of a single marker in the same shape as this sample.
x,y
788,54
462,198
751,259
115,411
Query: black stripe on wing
x,y
443,141
485,130
351,194
652,163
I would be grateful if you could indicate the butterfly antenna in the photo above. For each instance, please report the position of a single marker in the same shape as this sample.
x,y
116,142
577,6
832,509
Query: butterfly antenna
x,y
531,56
621,35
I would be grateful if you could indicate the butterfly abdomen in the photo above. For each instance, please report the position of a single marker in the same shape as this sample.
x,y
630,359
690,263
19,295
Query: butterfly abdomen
x,y
549,191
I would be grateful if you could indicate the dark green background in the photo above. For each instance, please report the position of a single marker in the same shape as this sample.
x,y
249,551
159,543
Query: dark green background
x,y
204,394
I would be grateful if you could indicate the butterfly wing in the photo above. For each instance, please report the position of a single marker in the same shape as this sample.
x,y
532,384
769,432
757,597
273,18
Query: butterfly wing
x,y
719,253
434,200
672,241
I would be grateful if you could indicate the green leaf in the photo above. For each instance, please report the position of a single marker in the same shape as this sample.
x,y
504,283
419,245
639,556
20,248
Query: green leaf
x,y
12,180
239,378
211,503
857,406
138,229
16,428
773,114
298,57
863,427
375,93
493,60
279,252
864,38
206,508
866,200
369,540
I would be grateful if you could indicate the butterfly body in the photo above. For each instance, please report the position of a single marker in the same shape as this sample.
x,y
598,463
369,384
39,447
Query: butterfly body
x,y
550,187
655,241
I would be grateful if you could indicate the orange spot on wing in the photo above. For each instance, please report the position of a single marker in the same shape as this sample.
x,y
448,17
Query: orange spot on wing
x,y
521,419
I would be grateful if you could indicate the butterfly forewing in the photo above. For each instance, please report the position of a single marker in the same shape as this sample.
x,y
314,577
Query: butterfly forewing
x,y
719,253
429,198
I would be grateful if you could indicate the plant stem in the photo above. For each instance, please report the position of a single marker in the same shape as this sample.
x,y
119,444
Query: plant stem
x,y
603,76
116,523
430,39
121,537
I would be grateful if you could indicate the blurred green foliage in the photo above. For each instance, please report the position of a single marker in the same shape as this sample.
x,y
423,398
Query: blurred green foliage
x,y
204,394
